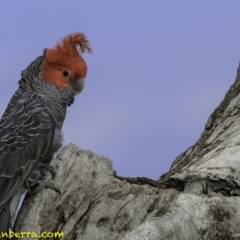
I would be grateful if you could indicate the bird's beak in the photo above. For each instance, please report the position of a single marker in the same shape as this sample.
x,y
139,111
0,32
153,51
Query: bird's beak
x,y
78,85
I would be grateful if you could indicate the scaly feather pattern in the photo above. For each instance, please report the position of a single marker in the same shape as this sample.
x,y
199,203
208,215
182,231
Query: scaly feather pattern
x,y
30,128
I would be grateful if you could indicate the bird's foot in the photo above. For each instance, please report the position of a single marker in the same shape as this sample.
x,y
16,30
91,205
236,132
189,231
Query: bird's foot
x,y
48,169
43,184
52,171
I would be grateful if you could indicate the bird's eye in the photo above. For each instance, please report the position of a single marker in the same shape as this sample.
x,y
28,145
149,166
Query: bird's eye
x,y
65,73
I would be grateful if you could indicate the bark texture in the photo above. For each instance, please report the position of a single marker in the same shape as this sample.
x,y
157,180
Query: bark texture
x,y
197,199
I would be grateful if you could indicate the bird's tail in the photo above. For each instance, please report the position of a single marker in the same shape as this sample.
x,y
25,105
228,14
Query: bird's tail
x,y
5,222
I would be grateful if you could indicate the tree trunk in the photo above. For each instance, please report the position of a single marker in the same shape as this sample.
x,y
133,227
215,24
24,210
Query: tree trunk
x,y
197,199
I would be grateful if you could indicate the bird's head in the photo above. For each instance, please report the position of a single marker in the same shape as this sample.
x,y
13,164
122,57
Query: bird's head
x,y
64,66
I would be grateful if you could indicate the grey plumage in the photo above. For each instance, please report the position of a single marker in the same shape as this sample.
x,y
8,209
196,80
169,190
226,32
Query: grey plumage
x,y
30,128
30,133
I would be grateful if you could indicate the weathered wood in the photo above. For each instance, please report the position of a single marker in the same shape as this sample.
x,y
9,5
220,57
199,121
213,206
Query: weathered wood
x,y
197,199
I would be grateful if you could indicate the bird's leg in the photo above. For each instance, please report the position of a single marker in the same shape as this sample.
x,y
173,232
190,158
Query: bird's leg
x,y
44,168
48,169
36,181
52,171
40,185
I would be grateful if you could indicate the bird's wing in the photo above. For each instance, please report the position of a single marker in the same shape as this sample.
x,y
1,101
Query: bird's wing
x,y
26,132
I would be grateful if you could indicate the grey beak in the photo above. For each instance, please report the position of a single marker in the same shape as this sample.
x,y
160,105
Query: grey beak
x,y
78,85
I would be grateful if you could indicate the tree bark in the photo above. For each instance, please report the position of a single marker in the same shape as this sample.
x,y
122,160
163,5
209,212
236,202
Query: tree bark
x,y
197,199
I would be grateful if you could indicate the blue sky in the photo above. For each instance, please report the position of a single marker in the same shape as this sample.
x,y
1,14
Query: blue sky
x,y
158,70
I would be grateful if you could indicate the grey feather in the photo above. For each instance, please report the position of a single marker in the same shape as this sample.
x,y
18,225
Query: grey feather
x,y
30,134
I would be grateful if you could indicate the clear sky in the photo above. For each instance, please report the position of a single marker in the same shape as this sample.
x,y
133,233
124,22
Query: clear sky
x,y
158,70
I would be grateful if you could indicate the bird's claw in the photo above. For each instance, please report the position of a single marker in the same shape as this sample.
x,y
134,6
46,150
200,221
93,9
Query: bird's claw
x,y
52,171
43,184
49,169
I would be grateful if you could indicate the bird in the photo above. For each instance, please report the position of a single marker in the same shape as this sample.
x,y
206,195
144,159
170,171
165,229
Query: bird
x,y
31,126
